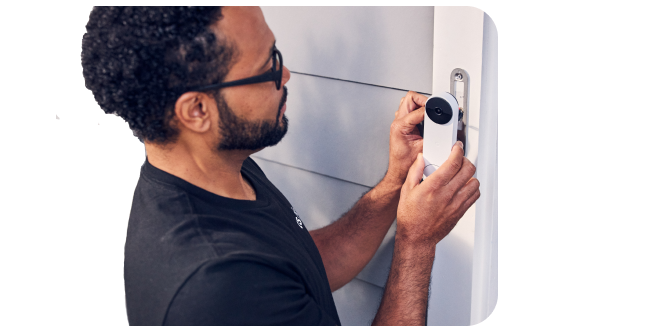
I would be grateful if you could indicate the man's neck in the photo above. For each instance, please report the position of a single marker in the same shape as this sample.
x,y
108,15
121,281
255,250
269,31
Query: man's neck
x,y
217,172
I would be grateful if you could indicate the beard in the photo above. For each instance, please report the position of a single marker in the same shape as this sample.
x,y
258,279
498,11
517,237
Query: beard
x,y
240,134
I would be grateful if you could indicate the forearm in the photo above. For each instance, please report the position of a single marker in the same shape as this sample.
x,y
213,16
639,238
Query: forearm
x,y
348,244
405,298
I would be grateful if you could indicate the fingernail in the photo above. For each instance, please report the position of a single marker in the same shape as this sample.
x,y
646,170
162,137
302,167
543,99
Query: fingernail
x,y
458,143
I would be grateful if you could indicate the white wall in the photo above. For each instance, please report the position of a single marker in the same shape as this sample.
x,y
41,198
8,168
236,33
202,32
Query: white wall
x,y
484,283
458,35
351,66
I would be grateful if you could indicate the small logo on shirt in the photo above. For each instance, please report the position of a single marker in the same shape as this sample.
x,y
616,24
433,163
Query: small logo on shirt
x,y
299,222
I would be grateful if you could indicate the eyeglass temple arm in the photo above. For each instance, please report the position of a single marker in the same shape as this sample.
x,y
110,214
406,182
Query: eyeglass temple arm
x,y
250,80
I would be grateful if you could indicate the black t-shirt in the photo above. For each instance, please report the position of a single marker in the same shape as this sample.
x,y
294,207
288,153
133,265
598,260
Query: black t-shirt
x,y
196,258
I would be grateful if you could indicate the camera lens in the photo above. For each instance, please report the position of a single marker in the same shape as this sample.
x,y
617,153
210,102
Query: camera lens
x,y
438,110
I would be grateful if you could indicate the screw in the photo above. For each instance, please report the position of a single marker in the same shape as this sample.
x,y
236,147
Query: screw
x,y
458,77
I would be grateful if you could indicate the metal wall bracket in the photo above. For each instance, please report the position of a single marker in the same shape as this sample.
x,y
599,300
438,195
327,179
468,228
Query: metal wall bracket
x,y
460,88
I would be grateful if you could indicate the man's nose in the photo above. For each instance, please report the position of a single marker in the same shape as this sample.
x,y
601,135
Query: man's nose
x,y
285,76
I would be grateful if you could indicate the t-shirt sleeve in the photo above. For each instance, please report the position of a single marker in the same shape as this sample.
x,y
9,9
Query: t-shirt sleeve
x,y
241,292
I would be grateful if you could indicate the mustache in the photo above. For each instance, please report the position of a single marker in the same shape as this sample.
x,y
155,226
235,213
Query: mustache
x,y
283,100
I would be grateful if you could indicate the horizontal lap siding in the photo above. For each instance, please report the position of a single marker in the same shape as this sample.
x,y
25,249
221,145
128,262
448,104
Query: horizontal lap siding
x,y
337,145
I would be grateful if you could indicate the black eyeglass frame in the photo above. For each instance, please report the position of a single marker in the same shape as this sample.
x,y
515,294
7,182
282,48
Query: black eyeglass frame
x,y
273,75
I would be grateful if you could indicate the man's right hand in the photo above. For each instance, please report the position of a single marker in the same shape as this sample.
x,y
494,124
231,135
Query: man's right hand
x,y
430,209
427,212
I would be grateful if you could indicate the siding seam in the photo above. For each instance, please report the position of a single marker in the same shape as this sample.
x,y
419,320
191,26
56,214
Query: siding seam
x,y
309,171
339,79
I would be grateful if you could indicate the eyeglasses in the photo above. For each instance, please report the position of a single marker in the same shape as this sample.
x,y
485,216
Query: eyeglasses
x,y
273,75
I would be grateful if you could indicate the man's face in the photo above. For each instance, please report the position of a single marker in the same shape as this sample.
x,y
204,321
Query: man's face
x,y
251,117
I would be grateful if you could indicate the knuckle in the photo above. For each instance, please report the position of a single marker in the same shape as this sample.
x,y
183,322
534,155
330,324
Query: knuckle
x,y
472,198
446,199
471,169
454,207
410,95
452,202
471,187
455,165
477,195
433,188
457,206
469,165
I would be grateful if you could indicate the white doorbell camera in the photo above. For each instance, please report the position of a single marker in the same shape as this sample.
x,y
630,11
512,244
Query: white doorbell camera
x,y
439,130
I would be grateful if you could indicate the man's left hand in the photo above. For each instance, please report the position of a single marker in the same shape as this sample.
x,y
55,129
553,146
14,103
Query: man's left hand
x,y
405,140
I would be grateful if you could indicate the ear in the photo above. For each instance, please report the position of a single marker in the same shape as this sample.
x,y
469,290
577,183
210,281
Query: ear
x,y
192,111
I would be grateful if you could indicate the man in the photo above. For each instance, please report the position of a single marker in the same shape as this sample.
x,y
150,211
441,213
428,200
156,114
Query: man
x,y
210,240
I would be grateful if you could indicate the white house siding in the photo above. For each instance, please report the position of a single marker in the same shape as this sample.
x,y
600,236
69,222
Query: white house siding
x,y
350,67
337,145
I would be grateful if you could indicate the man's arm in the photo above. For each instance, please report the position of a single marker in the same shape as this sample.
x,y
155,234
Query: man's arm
x,y
348,244
427,212
405,297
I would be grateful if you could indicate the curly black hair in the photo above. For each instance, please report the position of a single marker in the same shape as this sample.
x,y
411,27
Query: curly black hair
x,y
137,61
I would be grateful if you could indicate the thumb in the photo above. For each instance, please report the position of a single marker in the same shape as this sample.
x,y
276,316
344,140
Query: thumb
x,y
415,173
409,121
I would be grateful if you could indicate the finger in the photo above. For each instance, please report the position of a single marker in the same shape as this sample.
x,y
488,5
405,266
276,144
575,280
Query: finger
x,y
407,123
399,108
471,200
415,173
414,100
410,102
468,190
448,169
465,173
